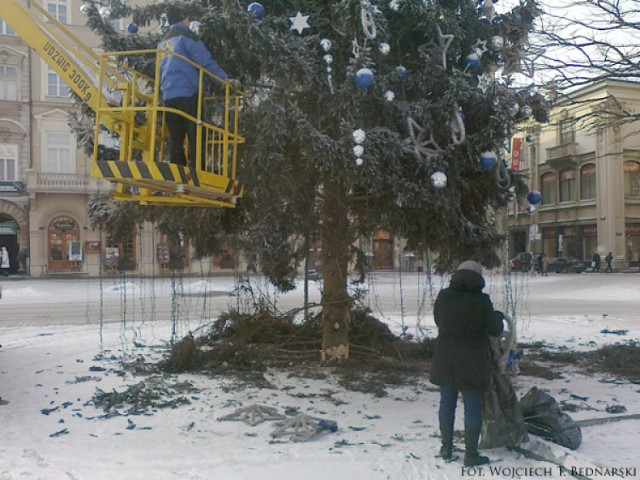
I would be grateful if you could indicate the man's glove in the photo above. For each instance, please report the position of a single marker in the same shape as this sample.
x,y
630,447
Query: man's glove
x,y
234,82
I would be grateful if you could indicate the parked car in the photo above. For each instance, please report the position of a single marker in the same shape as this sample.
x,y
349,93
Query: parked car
x,y
565,265
524,261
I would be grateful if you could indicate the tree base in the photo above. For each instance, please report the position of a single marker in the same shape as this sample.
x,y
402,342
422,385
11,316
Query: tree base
x,y
337,353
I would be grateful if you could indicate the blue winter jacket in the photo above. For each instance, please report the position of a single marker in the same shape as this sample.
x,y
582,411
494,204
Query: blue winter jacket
x,y
179,79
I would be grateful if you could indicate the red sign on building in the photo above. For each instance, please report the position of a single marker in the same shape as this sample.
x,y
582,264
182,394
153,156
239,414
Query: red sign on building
x,y
516,154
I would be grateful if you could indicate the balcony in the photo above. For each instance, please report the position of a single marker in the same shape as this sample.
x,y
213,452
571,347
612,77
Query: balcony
x,y
563,156
64,183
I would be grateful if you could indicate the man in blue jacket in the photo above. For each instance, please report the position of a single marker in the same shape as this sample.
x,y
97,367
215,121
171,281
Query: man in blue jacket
x,y
179,82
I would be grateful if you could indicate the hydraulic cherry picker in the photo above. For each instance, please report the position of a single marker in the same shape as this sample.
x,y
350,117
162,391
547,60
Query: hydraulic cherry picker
x,y
127,104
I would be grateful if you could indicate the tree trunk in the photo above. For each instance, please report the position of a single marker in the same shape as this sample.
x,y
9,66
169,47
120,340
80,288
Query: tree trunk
x,y
336,244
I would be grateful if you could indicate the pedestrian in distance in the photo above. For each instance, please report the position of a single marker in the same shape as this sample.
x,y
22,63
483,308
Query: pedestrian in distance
x,y
545,264
179,82
5,263
595,261
461,363
608,259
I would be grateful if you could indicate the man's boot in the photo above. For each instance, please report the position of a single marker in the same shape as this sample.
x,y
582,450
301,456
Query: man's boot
x,y
471,455
446,432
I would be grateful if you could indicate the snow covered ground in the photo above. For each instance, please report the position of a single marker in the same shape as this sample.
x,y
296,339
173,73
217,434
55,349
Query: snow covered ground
x,y
64,340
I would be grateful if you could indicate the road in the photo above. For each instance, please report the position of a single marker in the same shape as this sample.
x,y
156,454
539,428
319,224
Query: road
x,y
391,294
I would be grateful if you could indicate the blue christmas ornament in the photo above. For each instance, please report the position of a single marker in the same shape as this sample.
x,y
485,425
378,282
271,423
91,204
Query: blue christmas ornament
x,y
132,28
256,10
364,77
488,160
401,72
472,61
530,137
534,197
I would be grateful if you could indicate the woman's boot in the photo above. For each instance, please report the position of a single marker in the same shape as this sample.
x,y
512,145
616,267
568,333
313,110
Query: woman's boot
x,y
446,432
471,455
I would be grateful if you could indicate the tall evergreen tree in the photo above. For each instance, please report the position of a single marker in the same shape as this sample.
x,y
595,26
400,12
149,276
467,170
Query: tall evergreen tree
x,y
365,115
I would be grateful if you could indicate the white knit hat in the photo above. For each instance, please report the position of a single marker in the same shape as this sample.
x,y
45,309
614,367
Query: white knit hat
x,y
471,265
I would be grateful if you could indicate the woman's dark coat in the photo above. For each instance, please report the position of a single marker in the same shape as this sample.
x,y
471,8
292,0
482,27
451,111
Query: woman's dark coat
x,y
465,317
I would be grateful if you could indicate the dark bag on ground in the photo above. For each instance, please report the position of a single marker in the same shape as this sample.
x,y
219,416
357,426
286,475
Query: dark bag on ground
x,y
502,421
543,418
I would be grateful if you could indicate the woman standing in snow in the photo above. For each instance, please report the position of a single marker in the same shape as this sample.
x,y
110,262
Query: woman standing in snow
x,y
465,318
5,264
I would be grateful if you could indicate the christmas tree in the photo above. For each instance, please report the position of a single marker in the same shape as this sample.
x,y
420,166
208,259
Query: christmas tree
x,y
362,115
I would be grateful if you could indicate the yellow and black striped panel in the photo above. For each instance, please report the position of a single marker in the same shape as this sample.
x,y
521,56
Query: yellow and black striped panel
x,y
161,171
166,174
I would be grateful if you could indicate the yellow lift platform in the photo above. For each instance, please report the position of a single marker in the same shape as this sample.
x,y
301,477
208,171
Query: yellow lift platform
x,y
127,105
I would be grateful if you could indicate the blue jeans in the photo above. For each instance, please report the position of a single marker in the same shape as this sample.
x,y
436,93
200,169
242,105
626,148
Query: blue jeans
x,y
472,407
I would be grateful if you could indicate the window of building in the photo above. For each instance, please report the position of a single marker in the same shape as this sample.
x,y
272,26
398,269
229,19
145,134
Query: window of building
x,y
632,179
174,253
8,162
121,255
55,85
8,82
58,153
588,182
566,131
589,241
548,182
5,29
58,9
567,185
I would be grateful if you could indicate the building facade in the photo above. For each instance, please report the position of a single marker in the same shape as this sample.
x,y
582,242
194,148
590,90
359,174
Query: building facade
x,y
586,164
45,185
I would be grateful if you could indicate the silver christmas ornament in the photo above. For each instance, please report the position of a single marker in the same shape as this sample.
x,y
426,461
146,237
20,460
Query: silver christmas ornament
x,y
526,111
104,12
488,9
325,43
359,136
328,59
358,150
389,96
531,209
299,23
497,42
359,161
439,180
85,8
195,27
394,5
513,109
384,48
